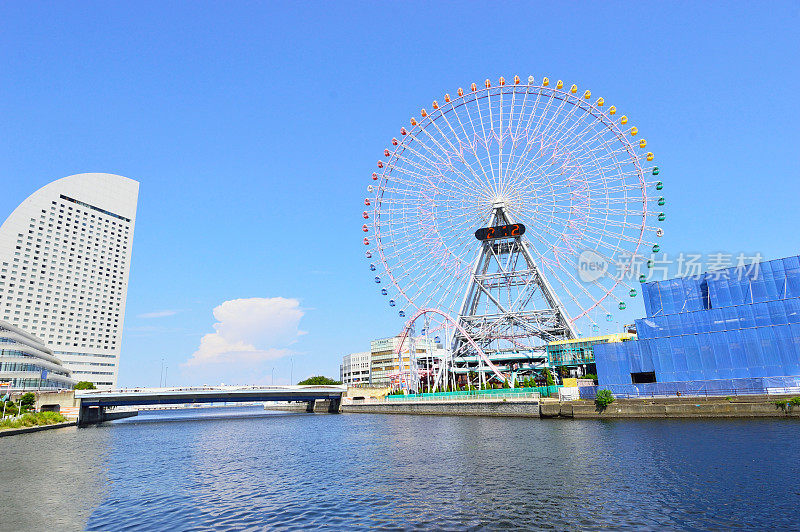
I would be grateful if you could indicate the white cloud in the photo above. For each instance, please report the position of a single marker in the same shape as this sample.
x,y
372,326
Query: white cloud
x,y
158,314
250,331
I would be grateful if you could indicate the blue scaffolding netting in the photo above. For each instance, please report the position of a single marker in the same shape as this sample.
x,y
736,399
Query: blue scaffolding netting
x,y
731,331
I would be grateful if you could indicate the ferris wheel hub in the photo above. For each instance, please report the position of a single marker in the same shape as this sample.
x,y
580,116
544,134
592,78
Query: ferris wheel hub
x,y
499,202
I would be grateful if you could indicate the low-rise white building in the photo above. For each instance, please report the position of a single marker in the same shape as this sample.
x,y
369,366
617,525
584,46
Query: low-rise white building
x,y
27,364
355,368
385,361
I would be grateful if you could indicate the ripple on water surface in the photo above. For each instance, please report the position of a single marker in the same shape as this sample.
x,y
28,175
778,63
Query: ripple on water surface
x,y
200,469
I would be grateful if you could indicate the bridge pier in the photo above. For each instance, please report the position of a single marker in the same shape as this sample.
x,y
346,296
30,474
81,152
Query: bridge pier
x,y
334,405
330,406
90,415
94,415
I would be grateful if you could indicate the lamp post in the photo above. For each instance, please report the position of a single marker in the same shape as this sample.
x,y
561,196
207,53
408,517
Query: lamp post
x,y
6,397
273,376
161,375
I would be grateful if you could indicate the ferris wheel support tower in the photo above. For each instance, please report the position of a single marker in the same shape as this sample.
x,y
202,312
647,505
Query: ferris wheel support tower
x,y
496,310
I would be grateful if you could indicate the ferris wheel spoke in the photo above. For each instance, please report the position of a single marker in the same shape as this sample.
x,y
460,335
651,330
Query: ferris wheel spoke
x,y
529,135
420,288
553,133
595,300
458,151
597,142
482,137
494,137
569,138
476,182
590,155
557,168
539,131
610,191
434,167
431,165
557,275
605,130
445,291
473,143
415,250
514,135
586,235
594,183
608,211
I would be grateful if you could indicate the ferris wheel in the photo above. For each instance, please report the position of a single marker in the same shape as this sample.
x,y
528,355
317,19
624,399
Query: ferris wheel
x,y
545,178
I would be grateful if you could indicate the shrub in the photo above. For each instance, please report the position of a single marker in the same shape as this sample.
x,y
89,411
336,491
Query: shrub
x,y
604,398
11,409
794,401
592,376
49,418
31,420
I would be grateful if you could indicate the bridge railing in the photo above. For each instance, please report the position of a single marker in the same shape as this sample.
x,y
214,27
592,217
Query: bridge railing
x,y
474,396
211,389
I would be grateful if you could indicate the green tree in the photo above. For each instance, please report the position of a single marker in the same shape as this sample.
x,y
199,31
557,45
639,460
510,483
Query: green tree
x,y
548,377
27,399
317,380
85,385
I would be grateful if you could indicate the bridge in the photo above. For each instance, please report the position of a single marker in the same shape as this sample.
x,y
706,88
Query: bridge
x,y
93,403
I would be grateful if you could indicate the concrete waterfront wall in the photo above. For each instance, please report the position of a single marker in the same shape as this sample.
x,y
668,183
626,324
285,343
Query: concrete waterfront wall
x,y
287,407
322,406
684,407
37,428
455,408
679,407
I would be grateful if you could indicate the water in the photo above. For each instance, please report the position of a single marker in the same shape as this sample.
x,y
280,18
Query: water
x,y
243,468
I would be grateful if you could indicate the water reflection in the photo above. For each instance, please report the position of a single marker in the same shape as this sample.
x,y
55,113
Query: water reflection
x,y
194,470
53,479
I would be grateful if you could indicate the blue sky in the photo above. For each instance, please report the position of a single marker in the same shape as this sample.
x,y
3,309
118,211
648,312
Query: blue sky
x,y
253,129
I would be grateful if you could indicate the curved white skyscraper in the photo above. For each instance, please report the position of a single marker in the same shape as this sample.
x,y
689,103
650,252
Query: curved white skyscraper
x,y
65,253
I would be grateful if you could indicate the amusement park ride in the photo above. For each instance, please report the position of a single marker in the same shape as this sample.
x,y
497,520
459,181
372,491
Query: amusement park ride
x,y
507,217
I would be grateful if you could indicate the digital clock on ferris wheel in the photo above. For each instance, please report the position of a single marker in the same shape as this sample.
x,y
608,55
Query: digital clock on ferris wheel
x,y
500,231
